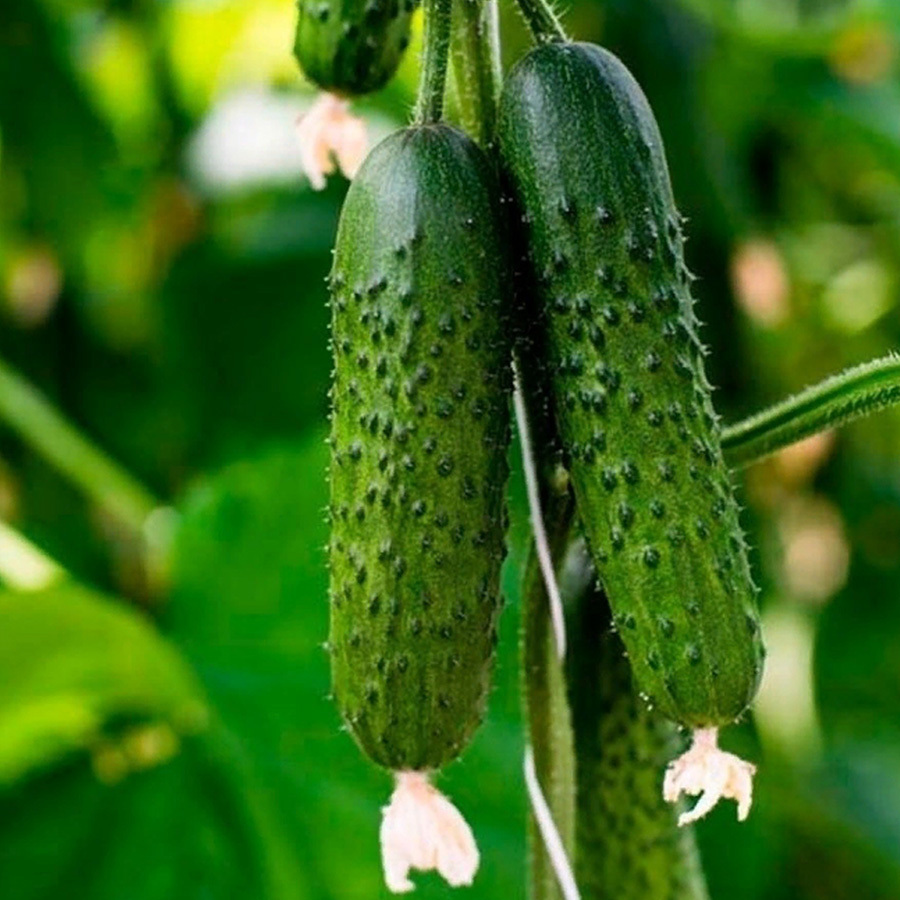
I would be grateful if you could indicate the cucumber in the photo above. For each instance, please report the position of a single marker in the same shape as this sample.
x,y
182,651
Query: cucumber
x,y
628,839
419,434
351,47
586,169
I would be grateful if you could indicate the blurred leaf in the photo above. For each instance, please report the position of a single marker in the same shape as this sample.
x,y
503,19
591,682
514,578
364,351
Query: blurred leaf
x,y
51,134
193,828
249,605
72,664
245,349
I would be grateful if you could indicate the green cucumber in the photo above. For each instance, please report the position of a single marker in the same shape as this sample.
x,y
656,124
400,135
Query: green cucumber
x,y
420,427
628,839
585,164
351,47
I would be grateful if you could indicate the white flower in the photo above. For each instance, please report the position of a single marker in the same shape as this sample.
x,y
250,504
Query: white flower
x,y
327,133
421,829
706,770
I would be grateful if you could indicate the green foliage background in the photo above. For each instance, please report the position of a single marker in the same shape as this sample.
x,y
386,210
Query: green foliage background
x,y
165,730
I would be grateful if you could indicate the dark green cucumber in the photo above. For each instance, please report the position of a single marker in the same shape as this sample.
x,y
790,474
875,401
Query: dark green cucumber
x,y
420,426
585,164
351,47
630,846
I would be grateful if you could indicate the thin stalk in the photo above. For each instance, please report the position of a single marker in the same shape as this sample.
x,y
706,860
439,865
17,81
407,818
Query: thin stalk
x,y
541,544
858,392
544,692
476,66
542,21
551,838
40,425
433,78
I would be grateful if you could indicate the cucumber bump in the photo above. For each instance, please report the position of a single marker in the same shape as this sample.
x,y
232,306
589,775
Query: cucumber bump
x,y
585,164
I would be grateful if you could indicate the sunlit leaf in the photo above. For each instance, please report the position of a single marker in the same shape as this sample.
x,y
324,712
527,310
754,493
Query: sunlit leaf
x,y
74,665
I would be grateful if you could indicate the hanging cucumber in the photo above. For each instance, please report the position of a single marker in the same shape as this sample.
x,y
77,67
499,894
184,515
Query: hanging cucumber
x,y
348,48
585,164
629,843
351,47
419,435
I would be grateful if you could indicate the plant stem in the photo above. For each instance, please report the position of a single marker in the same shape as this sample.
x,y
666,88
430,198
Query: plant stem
x,y
858,392
433,78
42,427
476,66
542,21
547,710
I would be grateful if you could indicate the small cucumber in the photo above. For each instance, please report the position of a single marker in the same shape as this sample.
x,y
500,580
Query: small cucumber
x,y
351,47
586,168
630,846
420,427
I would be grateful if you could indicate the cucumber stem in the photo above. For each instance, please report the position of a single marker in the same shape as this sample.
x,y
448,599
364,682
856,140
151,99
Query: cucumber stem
x,y
476,66
542,21
553,843
433,77
544,692
857,392
27,412
544,688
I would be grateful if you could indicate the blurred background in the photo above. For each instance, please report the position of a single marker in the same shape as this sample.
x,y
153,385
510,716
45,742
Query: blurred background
x,y
165,730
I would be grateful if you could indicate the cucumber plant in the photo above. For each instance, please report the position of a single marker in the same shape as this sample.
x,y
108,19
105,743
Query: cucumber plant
x,y
420,426
421,318
419,296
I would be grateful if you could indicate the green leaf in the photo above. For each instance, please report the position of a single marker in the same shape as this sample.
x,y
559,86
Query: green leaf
x,y
73,664
249,605
194,827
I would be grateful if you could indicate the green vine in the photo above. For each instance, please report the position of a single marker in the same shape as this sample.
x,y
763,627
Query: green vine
x,y
433,78
542,20
476,66
858,392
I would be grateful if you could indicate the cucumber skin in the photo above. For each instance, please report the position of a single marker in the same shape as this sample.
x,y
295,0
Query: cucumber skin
x,y
351,47
585,164
630,846
420,429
